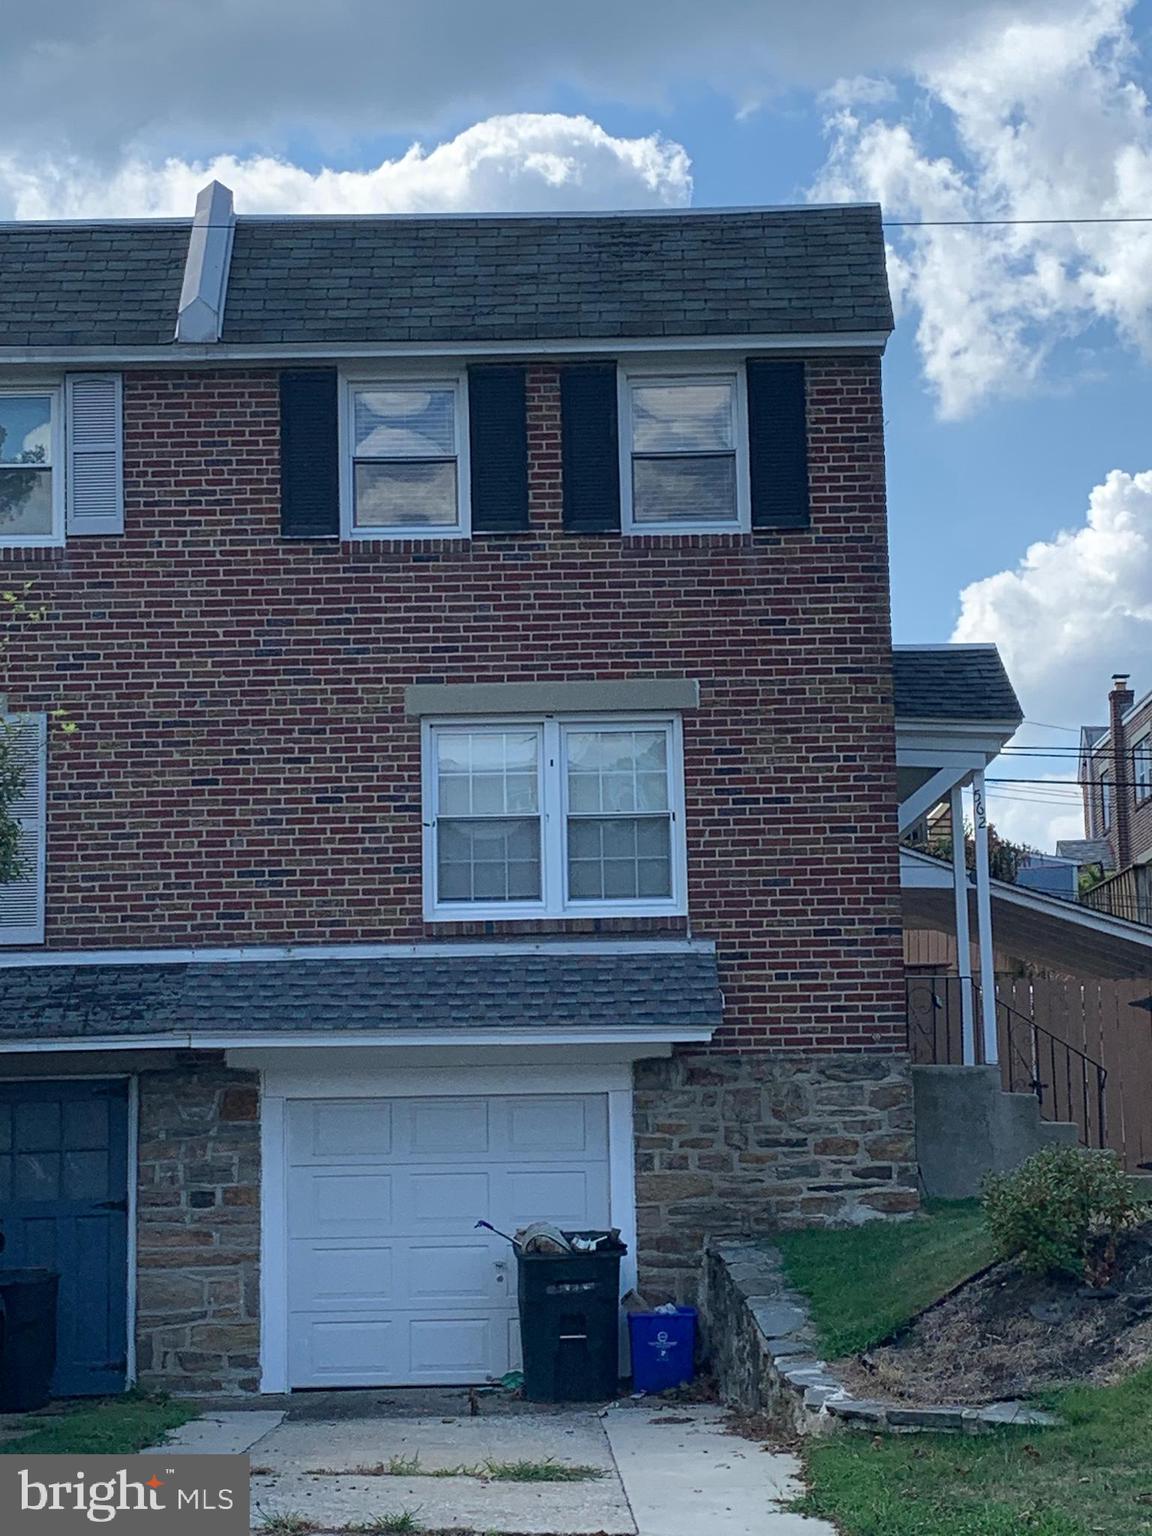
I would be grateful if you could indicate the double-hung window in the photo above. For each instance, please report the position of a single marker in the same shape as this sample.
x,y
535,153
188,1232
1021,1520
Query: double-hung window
x,y
1142,768
684,456
31,467
1105,800
560,816
405,468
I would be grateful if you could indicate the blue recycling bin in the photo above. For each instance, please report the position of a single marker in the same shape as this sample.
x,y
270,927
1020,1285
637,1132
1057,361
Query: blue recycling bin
x,y
663,1349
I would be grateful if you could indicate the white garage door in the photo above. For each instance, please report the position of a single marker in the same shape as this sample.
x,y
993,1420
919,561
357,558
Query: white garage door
x,y
389,1283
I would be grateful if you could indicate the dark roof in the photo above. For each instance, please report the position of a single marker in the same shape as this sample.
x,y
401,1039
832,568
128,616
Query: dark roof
x,y
537,278
488,990
1086,850
507,278
953,682
77,285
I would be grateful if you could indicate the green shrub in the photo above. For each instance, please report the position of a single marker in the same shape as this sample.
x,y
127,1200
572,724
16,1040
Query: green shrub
x,y
1062,1211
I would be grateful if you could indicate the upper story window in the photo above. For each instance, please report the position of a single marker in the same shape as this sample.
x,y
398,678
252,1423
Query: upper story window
x,y
553,817
405,461
684,453
1105,800
31,475
1142,767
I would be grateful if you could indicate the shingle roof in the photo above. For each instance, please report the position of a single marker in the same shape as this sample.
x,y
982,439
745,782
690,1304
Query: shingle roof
x,y
77,285
538,278
960,682
538,990
1086,850
509,278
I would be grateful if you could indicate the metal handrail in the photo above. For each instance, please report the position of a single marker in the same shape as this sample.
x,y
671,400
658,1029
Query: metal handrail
x,y
1068,1083
1082,1079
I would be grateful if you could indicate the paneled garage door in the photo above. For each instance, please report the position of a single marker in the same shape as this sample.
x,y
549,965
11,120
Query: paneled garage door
x,y
389,1283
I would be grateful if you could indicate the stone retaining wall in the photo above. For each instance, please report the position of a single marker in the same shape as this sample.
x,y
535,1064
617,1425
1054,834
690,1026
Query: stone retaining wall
x,y
198,1229
764,1352
731,1146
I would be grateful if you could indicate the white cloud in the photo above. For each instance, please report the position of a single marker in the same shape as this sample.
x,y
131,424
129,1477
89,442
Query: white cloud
x,y
1076,609
518,162
1048,122
1038,815
859,91
97,78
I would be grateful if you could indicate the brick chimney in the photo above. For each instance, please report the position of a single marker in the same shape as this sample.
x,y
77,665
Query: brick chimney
x,y
1120,700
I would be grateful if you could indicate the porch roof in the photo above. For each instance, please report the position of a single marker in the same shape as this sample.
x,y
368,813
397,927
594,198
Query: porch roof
x,y
1054,932
513,990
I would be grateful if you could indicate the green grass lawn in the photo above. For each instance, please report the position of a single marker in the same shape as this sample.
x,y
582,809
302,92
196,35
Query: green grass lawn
x,y
864,1283
103,1426
1090,1477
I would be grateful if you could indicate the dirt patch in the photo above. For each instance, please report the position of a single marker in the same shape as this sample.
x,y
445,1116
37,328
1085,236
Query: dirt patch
x,y
1007,1335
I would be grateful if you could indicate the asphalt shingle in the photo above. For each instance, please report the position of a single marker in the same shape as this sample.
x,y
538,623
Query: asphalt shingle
x,y
506,279
83,285
488,990
955,682
551,278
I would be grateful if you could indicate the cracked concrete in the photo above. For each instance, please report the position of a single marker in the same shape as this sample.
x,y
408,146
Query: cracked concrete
x,y
663,1470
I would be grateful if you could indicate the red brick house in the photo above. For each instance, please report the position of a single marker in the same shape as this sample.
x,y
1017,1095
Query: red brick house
x,y
1115,775
483,797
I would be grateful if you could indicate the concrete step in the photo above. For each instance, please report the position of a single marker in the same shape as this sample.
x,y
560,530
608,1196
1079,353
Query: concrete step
x,y
1059,1133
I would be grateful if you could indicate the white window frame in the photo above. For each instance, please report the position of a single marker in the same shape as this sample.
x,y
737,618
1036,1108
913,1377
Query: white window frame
x,y
55,394
553,780
1106,803
1142,763
703,373
396,377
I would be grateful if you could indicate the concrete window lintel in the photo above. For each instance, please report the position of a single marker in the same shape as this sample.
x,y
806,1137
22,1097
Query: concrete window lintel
x,y
639,695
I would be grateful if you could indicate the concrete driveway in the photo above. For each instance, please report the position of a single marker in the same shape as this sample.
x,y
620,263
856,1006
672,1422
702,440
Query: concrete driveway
x,y
640,1469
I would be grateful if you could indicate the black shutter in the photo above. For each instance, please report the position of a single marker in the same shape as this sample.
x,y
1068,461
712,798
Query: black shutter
x,y
498,448
590,452
309,455
777,444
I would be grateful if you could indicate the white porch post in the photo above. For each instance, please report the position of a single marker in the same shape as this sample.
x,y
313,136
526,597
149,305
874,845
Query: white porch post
x,y
963,937
984,920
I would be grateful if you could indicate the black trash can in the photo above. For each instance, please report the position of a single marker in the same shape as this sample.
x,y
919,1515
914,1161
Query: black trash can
x,y
570,1323
27,1337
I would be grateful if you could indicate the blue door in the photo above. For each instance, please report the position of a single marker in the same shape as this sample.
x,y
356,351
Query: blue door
x,y
64,1205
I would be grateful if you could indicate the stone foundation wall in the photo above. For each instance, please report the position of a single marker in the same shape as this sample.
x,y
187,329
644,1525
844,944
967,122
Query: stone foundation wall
x,y
198,1229
742,1146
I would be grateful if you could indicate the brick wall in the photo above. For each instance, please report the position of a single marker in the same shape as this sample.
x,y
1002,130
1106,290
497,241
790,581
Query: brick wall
x,y
198,1230
244,772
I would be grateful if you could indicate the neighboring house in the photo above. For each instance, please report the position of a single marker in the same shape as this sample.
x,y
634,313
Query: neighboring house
x,y
482,805
1115,775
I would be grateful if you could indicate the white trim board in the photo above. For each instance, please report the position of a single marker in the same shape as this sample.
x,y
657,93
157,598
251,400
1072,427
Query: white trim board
x,y
330,1039
352,1080
254,954
869,343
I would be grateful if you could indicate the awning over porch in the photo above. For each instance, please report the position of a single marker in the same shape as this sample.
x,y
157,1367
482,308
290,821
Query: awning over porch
x,y
1058,934
514,992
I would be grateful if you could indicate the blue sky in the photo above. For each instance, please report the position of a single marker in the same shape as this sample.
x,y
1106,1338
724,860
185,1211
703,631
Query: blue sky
x,y
1017,384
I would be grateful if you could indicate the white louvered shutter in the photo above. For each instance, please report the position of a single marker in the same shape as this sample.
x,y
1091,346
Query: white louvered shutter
x,y
94,429
22,900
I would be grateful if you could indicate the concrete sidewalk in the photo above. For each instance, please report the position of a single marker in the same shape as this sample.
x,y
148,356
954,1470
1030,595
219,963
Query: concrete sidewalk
x,y
652,1471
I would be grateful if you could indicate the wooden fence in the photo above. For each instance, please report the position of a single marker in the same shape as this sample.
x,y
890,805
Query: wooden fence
x,y
1111,1022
